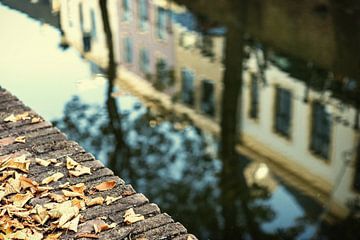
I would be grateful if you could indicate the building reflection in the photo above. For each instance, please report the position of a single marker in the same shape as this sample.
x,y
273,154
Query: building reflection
x,y
298,119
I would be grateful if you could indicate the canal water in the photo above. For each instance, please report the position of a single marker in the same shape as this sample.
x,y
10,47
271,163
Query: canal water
x,y
233,120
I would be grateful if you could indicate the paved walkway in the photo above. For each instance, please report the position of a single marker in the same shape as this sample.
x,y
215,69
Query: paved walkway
x,y
105,207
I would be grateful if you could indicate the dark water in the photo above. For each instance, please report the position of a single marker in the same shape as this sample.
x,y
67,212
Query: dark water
x,y
240,119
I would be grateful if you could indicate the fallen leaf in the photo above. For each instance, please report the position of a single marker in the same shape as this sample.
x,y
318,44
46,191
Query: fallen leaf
x,y
87,235
80,204
109,200
65,185
53,178
19,200
94,201
80,170
58,164
53,236
131,217
44,188
6,174
10,118
19,163
100,226
18,117
73,224
106,185
41,214
27,183
71,163
127,193
78,188
42,162
35,120
20,139
57,197
71,194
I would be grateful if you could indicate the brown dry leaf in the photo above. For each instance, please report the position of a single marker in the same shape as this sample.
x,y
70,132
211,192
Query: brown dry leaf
x,y
65,185
20,139
94,201
80,170
44,188
109,200
53,236
78,188
28,183
42,162
57,197
106,185
19,200
6,174
71,194
71,163
64,211
53,178
13,185
80,204
100,226
19,163
127,193
87,235
41,214
131,217
73,224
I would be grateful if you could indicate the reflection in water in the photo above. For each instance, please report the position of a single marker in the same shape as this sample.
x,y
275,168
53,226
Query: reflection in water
x,y
237,133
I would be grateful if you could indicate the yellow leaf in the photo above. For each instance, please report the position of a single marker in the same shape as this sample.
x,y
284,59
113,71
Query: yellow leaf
x,y
41,214
95,201
65,185
35,120
110,199
80,204
71,163
106,185
53,178
57,197
42,162
44,188
19,200
28,183
10,118
18,117
73,224
71,194
19,163
131,217
80,170
20,139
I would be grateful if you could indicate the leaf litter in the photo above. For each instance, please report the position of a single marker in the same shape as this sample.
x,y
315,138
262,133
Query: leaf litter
x,y
21,219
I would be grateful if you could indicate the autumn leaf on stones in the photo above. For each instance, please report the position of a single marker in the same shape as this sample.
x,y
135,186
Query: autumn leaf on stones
x,y
104,186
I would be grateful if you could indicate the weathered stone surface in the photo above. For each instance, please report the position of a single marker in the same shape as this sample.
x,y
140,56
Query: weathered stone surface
x,y
45,142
